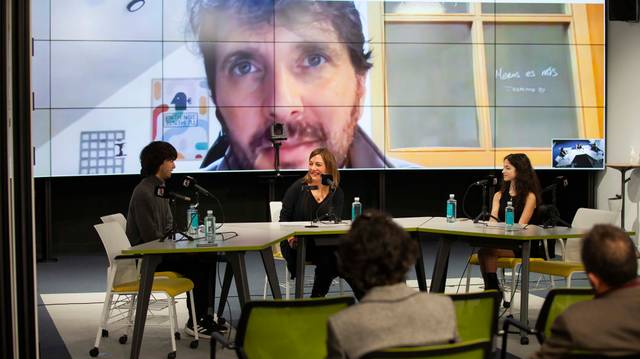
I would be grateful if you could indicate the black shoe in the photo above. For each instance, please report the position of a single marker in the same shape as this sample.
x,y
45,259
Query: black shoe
x,y
213,326
203,332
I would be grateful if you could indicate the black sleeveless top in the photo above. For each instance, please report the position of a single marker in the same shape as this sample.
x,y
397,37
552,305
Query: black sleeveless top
x,y
518,206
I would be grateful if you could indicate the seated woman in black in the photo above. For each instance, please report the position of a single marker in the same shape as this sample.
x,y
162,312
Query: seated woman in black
x,y
308,199
520,185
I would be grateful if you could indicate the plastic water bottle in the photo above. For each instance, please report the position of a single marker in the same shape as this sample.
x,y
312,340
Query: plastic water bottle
x,y
509,216
452,208
192,220
210,226
356,208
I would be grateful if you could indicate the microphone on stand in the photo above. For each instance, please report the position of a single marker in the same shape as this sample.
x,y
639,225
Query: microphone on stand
x,y
491,180
190,182
559,181
327,180
162,192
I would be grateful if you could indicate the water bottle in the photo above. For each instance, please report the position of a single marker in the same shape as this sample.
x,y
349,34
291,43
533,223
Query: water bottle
x,y
508,216
192,220
356,208
452,209
210,226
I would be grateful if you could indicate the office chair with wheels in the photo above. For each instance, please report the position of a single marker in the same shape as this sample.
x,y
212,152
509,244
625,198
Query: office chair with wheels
x,y
284,329
556,302
476,314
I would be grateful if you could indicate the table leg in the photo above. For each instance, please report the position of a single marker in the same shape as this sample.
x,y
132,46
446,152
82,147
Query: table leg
x,y
224,291
622,196
270,269
300,260
439,277
149,265
237,261
524,291
421,276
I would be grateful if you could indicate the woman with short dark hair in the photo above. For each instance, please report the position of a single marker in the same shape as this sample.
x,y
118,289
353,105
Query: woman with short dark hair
x,y
376,255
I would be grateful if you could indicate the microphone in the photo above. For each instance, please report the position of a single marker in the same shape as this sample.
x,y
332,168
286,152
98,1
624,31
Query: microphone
x,y
308,188
327,180
490,180
162,192
190,182
559,181
562,180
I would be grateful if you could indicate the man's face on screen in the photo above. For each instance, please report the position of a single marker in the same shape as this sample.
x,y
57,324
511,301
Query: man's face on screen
x,y
292,72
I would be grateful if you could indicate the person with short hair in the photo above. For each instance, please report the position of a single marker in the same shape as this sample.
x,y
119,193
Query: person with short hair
x,y
610,323
296,62
149,218
376,255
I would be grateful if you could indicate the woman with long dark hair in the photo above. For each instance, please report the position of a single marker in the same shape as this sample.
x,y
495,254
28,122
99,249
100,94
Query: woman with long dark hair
x,y
520,185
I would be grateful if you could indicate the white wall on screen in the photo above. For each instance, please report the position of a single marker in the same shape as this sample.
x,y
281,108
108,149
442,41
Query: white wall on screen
x,y
623,116
104,20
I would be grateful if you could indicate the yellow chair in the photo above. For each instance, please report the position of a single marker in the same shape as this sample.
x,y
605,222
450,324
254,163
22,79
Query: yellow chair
x,y
123,283
122,221
503,263
571,262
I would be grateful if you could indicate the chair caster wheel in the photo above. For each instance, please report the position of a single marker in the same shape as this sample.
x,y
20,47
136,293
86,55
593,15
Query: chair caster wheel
x,y
123,339
176,335
105,333
524,340
171,355
193,344
94,352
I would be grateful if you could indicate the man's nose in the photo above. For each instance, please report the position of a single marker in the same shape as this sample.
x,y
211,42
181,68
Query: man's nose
x,y
286,102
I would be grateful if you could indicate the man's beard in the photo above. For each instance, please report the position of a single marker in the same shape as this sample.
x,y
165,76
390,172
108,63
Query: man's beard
x,y
298,131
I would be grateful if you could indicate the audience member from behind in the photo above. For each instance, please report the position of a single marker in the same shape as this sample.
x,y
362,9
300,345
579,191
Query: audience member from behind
x,y
376,255
610,323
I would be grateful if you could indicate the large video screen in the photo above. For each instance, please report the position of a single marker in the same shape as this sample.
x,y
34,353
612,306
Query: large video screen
x,y
382,84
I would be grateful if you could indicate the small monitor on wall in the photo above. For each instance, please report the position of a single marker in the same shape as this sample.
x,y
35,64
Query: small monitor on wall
x,y
578,153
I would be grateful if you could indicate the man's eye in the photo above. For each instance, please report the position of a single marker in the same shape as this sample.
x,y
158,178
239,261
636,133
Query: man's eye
x,y
242,68
314,60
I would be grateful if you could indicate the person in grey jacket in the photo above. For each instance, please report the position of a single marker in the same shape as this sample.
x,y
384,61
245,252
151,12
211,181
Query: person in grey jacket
x,y
608,325
149,218
376,255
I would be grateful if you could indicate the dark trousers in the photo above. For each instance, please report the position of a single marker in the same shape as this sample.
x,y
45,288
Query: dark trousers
x,y
200,271
324,258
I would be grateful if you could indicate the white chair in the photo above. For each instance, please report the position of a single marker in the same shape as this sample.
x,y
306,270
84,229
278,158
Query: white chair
x,y
571,262
275,207
116,217
123,283
122,221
